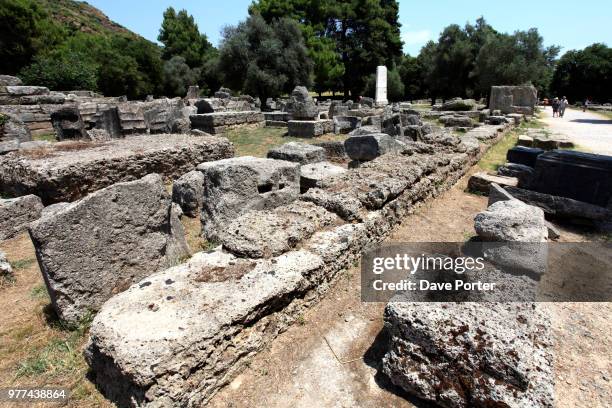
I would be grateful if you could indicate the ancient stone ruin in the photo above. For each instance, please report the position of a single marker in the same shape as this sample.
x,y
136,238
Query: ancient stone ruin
x,y
171,326
513,99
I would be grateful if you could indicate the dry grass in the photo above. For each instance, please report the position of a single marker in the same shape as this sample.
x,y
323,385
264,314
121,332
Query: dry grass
x,y
252,141
35,348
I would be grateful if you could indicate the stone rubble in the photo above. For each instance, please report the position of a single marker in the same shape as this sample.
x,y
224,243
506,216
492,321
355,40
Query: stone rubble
x,y
200,321
5,267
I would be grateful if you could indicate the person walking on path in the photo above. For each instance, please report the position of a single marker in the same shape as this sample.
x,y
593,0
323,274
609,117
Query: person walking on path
x,y
586,104
555,107
562,105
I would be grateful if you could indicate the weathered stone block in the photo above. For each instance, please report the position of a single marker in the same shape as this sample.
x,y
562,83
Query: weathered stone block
x,y
471,354
302,153
369,146
98,246
513,99
265,234
220,122
511,220
68,123
197,322
67,171
301,105
7,80
188,192
235,186
310,128
480,182
17,213
314,173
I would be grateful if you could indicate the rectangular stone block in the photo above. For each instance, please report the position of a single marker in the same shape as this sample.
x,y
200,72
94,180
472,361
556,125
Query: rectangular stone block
x,y
67,171
235,186
310,128
219,122
94,248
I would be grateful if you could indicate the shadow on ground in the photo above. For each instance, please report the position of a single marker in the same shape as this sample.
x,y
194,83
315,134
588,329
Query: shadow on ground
x,y
593,121
373,358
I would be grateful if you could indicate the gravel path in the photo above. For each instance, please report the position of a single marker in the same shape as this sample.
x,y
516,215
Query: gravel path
x,y
590,131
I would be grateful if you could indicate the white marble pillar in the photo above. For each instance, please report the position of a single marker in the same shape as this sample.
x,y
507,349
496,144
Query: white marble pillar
x,y
381,85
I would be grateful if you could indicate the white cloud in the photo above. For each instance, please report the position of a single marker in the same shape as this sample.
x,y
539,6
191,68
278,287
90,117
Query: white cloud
x,y
419,37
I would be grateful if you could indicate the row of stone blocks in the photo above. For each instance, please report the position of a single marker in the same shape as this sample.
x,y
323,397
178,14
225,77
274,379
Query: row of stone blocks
x,y
220,122
175,337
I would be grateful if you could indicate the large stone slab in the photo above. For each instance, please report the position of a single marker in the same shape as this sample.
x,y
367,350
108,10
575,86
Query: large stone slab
x,y
367,147
481,182
17,213
471,354
513,99
580,176
178,335
67,171
265,234
511,220
561,207
302,153
94,248
310,128
235,186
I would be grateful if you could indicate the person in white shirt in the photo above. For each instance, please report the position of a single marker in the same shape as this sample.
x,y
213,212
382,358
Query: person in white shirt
x,y
562,105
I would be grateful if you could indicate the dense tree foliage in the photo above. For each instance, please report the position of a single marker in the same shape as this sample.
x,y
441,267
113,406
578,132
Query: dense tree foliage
x,y
361,33
264,59
181,37
332,45
467,61
585,74
46,51
514,59
25,30
62,70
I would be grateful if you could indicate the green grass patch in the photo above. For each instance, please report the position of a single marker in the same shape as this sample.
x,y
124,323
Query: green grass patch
x,y
496,155
23,263
256,142
39,292
45,137
61,355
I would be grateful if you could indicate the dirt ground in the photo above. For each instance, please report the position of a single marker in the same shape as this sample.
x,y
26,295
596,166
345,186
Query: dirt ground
x,y
329,358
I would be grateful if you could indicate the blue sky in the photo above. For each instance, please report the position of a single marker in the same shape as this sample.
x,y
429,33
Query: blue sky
x,y
570,24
